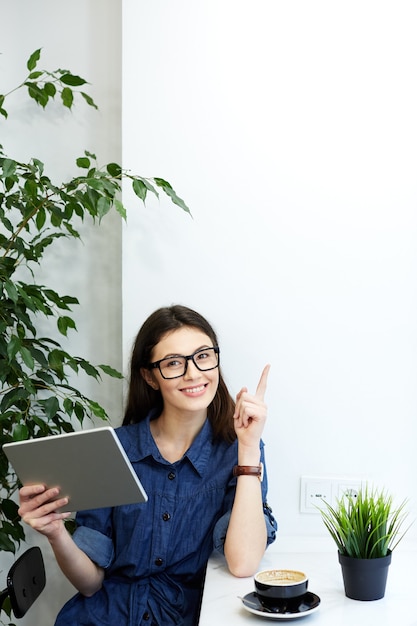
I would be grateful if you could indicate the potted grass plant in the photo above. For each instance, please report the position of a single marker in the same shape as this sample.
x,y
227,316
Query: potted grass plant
x,y
366,527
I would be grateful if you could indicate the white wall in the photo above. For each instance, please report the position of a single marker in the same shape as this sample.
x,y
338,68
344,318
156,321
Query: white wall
x,y
83,36
290,130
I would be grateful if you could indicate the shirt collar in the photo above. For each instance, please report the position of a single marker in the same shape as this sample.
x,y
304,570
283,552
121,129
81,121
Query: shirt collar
x,y
200,451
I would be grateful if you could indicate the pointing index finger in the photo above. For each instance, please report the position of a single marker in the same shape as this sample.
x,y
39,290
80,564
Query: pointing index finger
x,y
261,388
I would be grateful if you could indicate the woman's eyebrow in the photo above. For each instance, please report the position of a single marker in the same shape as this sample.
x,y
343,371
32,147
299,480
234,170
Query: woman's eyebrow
x,y
174,354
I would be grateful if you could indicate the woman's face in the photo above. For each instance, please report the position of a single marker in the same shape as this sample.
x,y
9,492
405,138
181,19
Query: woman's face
x,y
193,391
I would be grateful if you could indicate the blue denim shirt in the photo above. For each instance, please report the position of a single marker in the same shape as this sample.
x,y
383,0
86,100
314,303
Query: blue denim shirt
x,y
155,553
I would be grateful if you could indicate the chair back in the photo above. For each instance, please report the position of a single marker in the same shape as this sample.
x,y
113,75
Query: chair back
x,y
25,581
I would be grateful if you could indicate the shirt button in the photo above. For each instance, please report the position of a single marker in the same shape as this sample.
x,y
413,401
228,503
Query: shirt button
x,y
166,517
146,616
171,475
158,562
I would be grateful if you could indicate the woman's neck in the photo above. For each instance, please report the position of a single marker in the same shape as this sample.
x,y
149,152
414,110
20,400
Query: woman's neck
x,y
174,434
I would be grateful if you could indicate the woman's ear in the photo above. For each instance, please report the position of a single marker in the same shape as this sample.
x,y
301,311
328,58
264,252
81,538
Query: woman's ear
x,y
149,378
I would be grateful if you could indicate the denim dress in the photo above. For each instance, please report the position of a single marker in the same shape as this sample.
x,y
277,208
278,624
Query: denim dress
x,y
155,553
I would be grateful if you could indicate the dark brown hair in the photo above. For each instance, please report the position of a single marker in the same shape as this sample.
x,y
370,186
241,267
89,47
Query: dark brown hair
x,y
142,398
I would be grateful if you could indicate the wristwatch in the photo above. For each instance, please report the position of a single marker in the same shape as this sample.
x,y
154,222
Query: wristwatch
x,y
249,470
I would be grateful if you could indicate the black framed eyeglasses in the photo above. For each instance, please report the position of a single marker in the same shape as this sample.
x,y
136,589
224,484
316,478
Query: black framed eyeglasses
x,y
175,366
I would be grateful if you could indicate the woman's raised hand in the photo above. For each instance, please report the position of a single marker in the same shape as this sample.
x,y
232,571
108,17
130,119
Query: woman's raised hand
x,y
38,509
250,412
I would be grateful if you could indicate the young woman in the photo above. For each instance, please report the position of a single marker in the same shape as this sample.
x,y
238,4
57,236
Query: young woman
x,y
199,457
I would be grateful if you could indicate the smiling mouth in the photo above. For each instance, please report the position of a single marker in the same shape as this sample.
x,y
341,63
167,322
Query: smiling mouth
x,y
198,389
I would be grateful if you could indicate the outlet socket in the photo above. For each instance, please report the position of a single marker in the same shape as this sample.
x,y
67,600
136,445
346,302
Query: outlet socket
x,y
315,490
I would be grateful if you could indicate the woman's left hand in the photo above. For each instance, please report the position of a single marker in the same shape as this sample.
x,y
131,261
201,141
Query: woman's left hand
x,y
250,413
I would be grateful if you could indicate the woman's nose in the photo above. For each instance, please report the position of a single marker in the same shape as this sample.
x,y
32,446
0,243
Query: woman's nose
x,y
191,369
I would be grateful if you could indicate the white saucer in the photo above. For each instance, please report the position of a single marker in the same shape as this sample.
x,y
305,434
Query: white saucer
x,y
308,604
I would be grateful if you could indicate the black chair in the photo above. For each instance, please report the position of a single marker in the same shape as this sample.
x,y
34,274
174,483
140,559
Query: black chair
x,y
25,582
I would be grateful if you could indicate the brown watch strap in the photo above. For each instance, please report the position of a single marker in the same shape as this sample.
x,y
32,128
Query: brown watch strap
x,y
247,470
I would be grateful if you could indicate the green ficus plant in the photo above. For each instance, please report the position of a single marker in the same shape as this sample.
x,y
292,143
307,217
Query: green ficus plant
x,y
37,395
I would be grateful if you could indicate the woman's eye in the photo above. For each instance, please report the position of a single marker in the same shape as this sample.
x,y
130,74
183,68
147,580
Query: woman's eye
x,y
173,363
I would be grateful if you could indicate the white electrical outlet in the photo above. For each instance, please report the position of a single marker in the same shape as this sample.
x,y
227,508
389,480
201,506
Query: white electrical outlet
x,y
349,488
316,490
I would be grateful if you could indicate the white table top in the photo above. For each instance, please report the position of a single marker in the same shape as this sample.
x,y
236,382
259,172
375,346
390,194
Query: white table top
x,y
318,559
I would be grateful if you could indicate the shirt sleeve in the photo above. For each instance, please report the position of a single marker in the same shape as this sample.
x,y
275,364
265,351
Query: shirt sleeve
x,y
93,536
96,545
220,529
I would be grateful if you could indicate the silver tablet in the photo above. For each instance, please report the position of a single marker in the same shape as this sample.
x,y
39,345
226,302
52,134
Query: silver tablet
x,y
90,467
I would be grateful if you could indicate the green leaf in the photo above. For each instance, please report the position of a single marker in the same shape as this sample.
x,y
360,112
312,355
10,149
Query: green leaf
x,y
39,356
120,208
34,75
14,397
10,182
33,59
6,545
140,189
11,290
100,184
167,188
37,93
92,183
10,509
147,184
64,322
69,300
52,296
72,80
31,188
83,162
89,100
67,97
110,371
56,362
164,184
28,385
114,170
50,89
97,410
13,347
14,530
9,167
79,411
50,406
40,218
103,206
89,369
68,406
45,376
38,164
27,357
20,432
